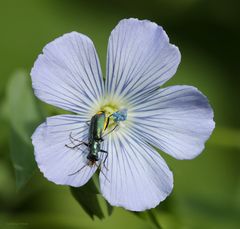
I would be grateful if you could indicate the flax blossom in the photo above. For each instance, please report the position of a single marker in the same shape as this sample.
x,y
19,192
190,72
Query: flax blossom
x,y
177,120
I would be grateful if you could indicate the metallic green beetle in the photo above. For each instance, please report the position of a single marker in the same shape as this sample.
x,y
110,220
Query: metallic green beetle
x,y
98,124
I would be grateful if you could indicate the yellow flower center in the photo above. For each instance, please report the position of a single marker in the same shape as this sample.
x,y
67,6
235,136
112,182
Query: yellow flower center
x,y
110,105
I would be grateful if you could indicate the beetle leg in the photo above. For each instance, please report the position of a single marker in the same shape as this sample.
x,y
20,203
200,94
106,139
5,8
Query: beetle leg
x,y
72,139
73,147
103,173
77,171
110,131
104,151
99,139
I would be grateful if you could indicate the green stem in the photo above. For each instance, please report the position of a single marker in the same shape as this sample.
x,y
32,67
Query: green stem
x,y
225,137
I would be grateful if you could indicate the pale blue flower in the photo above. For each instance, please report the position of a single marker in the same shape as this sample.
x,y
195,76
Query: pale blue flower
x,y
177,119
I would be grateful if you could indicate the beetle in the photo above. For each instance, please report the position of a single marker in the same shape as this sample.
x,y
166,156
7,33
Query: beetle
x,y
98,124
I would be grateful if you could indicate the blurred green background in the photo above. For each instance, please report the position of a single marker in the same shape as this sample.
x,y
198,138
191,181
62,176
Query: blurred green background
x,y
207,189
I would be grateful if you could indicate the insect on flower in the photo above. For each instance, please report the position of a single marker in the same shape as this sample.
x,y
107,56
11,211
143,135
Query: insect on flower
x,y
99,122
177,119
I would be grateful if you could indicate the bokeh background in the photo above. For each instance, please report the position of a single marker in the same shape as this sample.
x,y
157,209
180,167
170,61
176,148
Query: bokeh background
x,y
207,189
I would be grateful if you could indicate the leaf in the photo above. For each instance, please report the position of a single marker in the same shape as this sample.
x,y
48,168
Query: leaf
x,y
23,112
22,158
23,115
86,196
153,219
109,209
149,216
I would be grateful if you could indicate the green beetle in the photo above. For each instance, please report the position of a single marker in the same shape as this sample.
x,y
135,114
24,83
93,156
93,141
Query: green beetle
x,y
98,124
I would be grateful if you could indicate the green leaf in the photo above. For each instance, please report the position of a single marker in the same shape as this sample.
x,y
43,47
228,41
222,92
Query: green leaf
x,y
149,216
153,219
87,198
22,158
23,115
109,209
23,112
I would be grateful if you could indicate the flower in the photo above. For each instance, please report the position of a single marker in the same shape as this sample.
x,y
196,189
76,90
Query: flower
x,y
176,119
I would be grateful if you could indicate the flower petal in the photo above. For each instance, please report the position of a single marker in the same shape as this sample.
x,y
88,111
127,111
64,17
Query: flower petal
x,y
176,119
134,176
68,74
57,161
140,59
